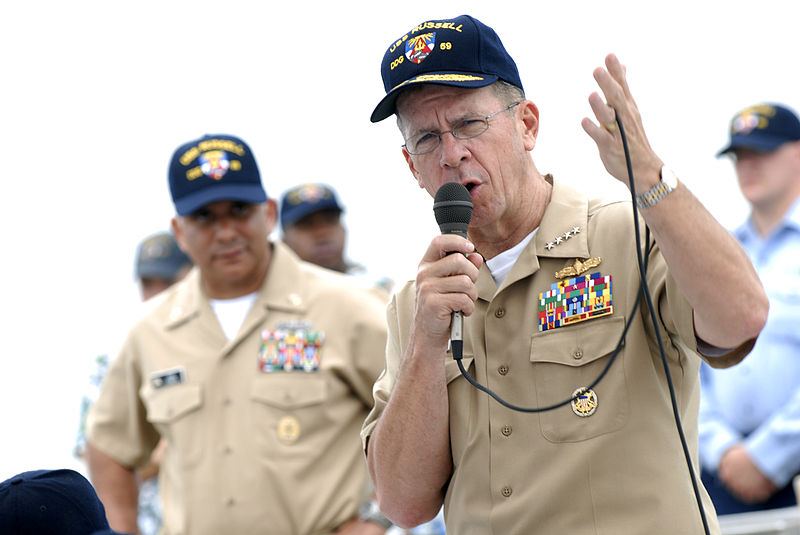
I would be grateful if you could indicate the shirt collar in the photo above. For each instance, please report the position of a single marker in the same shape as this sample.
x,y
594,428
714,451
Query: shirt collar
x,y
791,221
563,230
275,293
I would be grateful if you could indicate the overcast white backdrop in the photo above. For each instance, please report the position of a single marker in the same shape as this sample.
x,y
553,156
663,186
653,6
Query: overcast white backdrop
x,y
97,94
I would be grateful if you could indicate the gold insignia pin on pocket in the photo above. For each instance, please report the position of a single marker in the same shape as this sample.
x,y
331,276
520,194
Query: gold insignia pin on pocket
x,y
288,430
584,402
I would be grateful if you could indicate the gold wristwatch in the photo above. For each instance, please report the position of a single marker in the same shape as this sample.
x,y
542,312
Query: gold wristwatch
x,y
669,181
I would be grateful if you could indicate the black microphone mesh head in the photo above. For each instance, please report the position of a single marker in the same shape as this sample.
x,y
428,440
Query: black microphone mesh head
x,y
452,207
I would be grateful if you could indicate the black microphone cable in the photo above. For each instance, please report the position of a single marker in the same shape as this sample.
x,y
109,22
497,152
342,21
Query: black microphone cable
x,y
643,290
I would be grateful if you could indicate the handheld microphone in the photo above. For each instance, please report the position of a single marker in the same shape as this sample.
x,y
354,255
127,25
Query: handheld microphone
x,y
452,207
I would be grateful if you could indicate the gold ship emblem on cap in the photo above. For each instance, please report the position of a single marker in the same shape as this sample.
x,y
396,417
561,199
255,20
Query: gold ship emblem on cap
x,y
577,267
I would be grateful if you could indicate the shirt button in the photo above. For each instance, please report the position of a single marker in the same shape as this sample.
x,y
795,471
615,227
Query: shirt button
x,y
227,450
502,369
578,354
500,312
230,502
506,492
227,401
506,430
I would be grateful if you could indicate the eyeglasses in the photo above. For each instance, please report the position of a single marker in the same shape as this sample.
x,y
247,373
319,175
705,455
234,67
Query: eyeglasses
x,y
466,129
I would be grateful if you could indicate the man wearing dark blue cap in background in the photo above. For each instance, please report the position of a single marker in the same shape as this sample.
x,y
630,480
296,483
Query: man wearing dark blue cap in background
x,y
750,414
160,263
547,281
311,225
247,368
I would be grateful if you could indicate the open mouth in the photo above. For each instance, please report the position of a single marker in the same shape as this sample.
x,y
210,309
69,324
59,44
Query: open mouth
x,y
471,186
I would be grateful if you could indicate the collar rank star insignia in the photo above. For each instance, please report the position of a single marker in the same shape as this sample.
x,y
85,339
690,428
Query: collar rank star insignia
x,y
573,300
289,348
562,238
584,402
578,267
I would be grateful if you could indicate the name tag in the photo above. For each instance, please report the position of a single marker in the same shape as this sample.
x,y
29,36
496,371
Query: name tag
x,y
172,376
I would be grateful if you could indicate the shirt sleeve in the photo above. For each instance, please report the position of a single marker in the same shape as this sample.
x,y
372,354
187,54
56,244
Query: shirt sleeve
x,y
775,445
117,422
714,434
383,386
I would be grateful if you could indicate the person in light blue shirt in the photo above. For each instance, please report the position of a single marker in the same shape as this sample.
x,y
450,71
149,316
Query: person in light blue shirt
x,y
749,420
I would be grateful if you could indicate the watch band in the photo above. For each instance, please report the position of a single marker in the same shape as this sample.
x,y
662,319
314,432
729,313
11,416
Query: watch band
x,y
657,192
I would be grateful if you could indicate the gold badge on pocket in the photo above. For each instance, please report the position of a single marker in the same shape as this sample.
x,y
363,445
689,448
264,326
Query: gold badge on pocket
x,y
584,402
288,430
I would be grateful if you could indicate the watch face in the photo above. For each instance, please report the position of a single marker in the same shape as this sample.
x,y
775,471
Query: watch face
x,y
668,177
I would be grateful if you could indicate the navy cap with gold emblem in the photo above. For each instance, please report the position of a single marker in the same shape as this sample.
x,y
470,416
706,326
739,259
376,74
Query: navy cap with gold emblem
x,y
213,168
460,52
762,128
159,257
307,199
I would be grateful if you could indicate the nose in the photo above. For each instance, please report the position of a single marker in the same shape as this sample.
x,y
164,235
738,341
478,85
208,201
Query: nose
x,y
452,151
224,229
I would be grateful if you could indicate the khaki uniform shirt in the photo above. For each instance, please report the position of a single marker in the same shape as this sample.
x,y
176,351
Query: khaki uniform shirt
x,y
249,451
619,470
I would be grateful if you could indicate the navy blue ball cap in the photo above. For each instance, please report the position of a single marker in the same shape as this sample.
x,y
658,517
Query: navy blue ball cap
x,y
762,128
213,168
306,199
459,52
158,256
51,502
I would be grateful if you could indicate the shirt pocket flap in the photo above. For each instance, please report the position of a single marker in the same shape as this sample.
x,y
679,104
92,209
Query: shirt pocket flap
x,y
288,393
173,402
577,345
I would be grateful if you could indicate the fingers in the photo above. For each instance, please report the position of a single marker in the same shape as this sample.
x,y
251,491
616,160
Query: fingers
x,y
614,108
604,133
445,284
617,72
445,273
604,113
614,85
444,244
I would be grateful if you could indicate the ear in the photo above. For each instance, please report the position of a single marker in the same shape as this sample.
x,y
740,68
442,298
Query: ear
x,y
529,117
271,213
177,231
796,148
412,167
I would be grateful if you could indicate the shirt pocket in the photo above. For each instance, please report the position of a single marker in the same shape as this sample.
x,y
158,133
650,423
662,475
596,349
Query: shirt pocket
x,y
572,357
175,412
288,408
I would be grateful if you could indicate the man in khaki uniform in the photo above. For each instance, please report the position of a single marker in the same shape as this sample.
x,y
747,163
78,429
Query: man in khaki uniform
x,y
547,281
247,369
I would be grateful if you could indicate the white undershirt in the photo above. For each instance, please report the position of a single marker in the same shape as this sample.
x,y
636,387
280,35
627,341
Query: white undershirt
x,y
500,266
232,312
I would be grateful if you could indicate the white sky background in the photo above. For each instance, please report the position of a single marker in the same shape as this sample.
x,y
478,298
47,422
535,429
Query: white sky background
x,y
96,95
